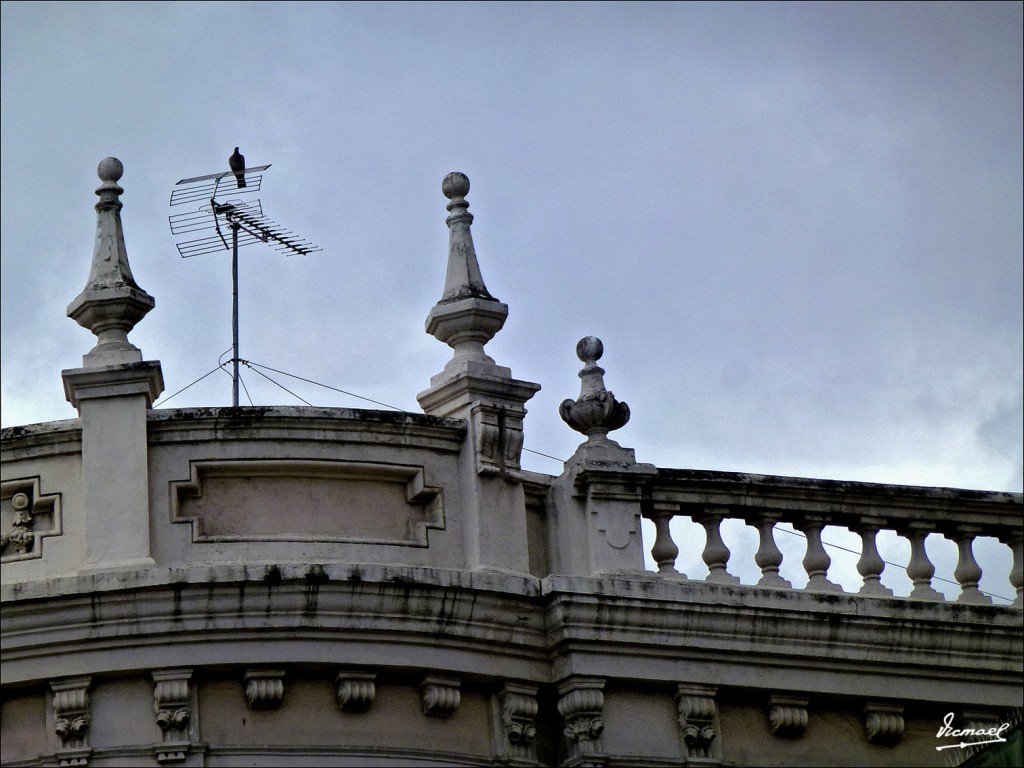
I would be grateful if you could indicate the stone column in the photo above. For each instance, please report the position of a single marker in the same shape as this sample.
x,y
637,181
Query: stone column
x,y
474,388
112,391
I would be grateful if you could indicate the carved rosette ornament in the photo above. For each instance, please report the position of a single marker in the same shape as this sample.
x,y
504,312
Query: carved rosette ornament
x,y
787,716
581,705
173,712
595,412
439,696
264,688
356,690
71,720
883,723
518,716
696,707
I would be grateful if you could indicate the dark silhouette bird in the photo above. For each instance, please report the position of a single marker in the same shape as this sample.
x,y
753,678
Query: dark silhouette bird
x,y
237,165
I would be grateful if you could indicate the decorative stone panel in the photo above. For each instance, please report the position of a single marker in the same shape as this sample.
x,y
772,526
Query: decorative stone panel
x,y
440,696
26,517
356,690
883,723
518,704
71,720
787,716
581,705
697,712
264,688
172,705
325,501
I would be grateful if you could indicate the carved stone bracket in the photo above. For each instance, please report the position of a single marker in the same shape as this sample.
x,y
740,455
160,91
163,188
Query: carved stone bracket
x,y
518,704
787,716
71,720
264,688
581,705
356,690
28,516
498,436
440,696
697,712
883,723
172,706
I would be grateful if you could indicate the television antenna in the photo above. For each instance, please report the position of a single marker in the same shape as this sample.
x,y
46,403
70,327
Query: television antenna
x,y
216,204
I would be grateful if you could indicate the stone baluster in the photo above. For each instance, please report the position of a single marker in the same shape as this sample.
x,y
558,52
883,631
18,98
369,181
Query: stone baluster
x,y
871,564
769,556
816,560
1016,543
664,550
968,572
920,569
716,553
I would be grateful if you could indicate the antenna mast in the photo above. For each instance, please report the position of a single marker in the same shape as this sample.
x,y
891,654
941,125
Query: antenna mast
x,y
245,219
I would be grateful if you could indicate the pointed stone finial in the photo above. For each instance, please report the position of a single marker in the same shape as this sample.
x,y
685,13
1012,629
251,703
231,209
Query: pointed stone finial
x,y
112,302
595,412
467,316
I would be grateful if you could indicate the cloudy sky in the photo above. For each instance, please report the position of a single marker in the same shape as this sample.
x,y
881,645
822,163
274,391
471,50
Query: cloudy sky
x,y
796,227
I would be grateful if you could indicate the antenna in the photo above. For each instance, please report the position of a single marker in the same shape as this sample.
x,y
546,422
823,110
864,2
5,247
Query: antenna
x,y
244,218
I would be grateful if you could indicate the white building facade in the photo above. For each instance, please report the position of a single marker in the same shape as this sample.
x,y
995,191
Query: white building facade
x,y
282,586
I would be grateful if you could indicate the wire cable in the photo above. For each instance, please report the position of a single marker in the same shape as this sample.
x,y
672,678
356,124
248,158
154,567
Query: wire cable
x,y
161,402
249,365
325,386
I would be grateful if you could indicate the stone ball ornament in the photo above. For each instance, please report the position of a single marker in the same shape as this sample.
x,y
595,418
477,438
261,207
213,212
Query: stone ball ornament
x,y
110,169
455,184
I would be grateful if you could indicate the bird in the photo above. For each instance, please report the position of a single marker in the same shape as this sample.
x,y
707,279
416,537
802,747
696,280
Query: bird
x,y
237,165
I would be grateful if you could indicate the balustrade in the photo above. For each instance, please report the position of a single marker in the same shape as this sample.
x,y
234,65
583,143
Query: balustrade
x,y
866,519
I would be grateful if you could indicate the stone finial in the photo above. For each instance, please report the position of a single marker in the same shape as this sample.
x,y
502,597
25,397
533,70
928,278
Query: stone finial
x,y
112,302
467,316
595,412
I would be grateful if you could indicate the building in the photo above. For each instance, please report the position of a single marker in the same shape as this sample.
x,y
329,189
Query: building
x,y
315,586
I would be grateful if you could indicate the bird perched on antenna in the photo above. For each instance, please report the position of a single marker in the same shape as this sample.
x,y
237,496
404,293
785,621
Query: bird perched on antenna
x,y
237,165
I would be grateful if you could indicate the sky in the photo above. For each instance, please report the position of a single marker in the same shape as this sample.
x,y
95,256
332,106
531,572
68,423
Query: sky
x,y
796,228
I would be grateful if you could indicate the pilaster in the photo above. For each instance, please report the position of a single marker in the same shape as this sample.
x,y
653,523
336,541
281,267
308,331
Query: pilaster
x,y
112,391
597,497
474,388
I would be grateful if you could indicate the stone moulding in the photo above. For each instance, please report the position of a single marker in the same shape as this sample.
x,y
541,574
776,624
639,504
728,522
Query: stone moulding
x,y
697,710
28,516
787,716
518,709
883,723
172,708
356,690
440,696
581,705
71,719
264,688
307,500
